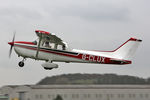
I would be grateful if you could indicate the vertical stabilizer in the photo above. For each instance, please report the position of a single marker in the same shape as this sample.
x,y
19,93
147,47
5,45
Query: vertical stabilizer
x,y
127,50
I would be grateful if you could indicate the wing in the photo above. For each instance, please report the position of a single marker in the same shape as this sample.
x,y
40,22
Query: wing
x,y
51,37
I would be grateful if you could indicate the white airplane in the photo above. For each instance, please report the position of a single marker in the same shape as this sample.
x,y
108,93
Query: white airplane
x,y
51,48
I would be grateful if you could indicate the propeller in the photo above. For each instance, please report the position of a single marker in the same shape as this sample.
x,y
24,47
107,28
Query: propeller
x,y
11,44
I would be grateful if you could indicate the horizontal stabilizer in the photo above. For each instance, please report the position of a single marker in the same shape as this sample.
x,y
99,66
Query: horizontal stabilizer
x,y
118,61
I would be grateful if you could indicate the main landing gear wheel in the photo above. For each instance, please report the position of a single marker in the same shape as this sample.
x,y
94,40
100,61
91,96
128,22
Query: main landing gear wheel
x,y
21,64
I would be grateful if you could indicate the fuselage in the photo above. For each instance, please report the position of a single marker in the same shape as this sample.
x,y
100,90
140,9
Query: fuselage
x,y
29,49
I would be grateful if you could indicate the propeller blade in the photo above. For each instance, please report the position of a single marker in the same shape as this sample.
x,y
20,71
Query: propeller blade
x,y
10,50
14,36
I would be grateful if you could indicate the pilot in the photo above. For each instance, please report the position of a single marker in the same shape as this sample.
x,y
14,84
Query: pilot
x,y
63,47
47,43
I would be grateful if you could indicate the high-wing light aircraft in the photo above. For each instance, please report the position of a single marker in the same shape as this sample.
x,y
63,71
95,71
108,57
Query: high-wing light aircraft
x,y
50,48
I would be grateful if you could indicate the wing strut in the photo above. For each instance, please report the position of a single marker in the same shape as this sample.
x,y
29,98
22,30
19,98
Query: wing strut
x,y
38,47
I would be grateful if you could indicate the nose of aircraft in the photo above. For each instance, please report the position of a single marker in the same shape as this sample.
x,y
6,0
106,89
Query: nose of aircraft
x,y
11,43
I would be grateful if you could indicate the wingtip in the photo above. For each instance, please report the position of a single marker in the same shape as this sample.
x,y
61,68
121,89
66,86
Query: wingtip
x,y
139,40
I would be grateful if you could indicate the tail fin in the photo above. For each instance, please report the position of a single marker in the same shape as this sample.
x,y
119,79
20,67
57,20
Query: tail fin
x,y
127,50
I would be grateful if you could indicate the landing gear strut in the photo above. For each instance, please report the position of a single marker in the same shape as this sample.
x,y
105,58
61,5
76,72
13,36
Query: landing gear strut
x,y
21,63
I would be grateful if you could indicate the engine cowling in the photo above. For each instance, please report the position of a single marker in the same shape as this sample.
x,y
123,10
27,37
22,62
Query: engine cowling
x,y
49,66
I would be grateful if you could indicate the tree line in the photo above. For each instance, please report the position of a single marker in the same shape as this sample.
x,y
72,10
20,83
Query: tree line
x,y
93,79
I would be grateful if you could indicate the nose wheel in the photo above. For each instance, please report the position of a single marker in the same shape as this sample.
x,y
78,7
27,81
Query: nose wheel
x,y
21,63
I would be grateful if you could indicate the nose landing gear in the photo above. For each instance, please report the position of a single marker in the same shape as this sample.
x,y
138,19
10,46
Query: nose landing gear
x,y
21,63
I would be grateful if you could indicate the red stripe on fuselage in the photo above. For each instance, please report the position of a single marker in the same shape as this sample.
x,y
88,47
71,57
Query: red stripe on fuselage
x,y
54,52
24,42
86,57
